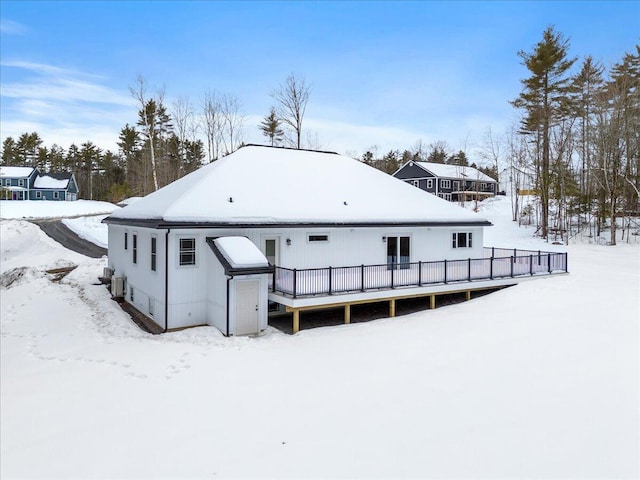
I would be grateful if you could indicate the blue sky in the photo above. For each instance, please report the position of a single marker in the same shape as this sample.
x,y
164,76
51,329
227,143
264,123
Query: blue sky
x,y
383,74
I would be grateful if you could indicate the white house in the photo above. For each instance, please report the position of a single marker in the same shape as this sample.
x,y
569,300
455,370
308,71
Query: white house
x,y
324,229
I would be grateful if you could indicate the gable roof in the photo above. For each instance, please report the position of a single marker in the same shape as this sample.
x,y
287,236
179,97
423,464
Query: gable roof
x,y
455,171
16,172
260,186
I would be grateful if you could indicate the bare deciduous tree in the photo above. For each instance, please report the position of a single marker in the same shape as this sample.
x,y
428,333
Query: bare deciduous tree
x,y
292,98
232,122
212,123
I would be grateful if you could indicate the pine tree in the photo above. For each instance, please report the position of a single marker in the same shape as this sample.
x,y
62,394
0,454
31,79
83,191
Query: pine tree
x,y
270,127
544,100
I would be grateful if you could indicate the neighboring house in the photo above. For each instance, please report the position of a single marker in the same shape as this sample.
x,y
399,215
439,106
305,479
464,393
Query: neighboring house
x,y
272,228
451,182
27,183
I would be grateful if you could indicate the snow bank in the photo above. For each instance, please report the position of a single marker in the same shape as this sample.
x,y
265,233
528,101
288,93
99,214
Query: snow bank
x,y
90,229
36,209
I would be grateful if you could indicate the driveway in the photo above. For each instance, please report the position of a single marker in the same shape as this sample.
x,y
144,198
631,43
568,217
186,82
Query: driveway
x,y
68,239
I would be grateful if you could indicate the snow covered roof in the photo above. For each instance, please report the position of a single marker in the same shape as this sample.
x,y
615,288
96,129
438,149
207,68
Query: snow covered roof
x,y
15,172
49,181
259,185
241,252
455,171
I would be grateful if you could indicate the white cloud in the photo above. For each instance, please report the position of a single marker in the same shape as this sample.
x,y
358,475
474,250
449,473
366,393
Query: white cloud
x,y
63,105
11,27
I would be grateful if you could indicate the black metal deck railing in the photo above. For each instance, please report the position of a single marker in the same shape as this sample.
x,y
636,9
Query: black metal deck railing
x,y
497,263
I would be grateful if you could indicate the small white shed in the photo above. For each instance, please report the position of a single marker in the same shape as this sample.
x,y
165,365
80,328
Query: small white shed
x,y
237,286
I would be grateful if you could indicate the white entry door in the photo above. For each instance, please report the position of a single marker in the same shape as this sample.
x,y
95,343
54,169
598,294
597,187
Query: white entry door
x,y
247,295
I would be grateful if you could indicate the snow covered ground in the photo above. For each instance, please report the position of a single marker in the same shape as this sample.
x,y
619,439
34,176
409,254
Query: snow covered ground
x,y
535,381
39,209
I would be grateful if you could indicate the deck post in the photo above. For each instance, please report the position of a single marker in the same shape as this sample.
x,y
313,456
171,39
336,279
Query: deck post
x,y
393,267
445,271
273,285
296,320
491,268
530,264
420,273
432,301
468,295
295,281
362,278
512,260
330,269
566,262
469,270
347,313
392,307
549,262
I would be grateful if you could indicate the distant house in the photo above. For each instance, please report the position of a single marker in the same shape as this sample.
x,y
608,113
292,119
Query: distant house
x,y
268,228
27,183
451,182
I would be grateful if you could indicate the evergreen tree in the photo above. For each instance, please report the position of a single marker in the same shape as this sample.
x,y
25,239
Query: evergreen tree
x,y
9,151
544,100
270,127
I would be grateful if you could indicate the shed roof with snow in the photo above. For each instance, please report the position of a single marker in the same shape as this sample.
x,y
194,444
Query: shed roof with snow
x,y
258,186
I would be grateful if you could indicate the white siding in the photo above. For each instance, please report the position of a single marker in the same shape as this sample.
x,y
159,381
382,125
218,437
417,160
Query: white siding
x,y
197,294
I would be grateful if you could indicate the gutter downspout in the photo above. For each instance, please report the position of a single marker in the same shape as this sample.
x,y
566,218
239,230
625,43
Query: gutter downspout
x,y
166,281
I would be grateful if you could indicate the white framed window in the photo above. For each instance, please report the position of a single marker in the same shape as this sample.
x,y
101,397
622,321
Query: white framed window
x,y
154,256
447,197
187,251
415,183
462,240
429,182
318,237
456,185
21,182
38,194
445,183
56,194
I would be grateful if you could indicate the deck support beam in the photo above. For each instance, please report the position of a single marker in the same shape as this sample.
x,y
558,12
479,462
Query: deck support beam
x,y
468,294
347,313
432,302
392,307
296,320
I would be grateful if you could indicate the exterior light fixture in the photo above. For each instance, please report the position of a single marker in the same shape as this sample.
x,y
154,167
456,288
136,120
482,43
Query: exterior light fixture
x,y
288,241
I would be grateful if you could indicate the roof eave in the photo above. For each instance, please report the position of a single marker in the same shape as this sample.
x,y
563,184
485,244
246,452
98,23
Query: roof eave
x,y
159,223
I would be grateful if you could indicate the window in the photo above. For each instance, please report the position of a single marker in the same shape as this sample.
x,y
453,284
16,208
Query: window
x,y
187,251
126,240
456,185
415,183
134,247
447,197
56,194
429,183
38,194
445,183
462,240
318,238
21,182
154,242
483,187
